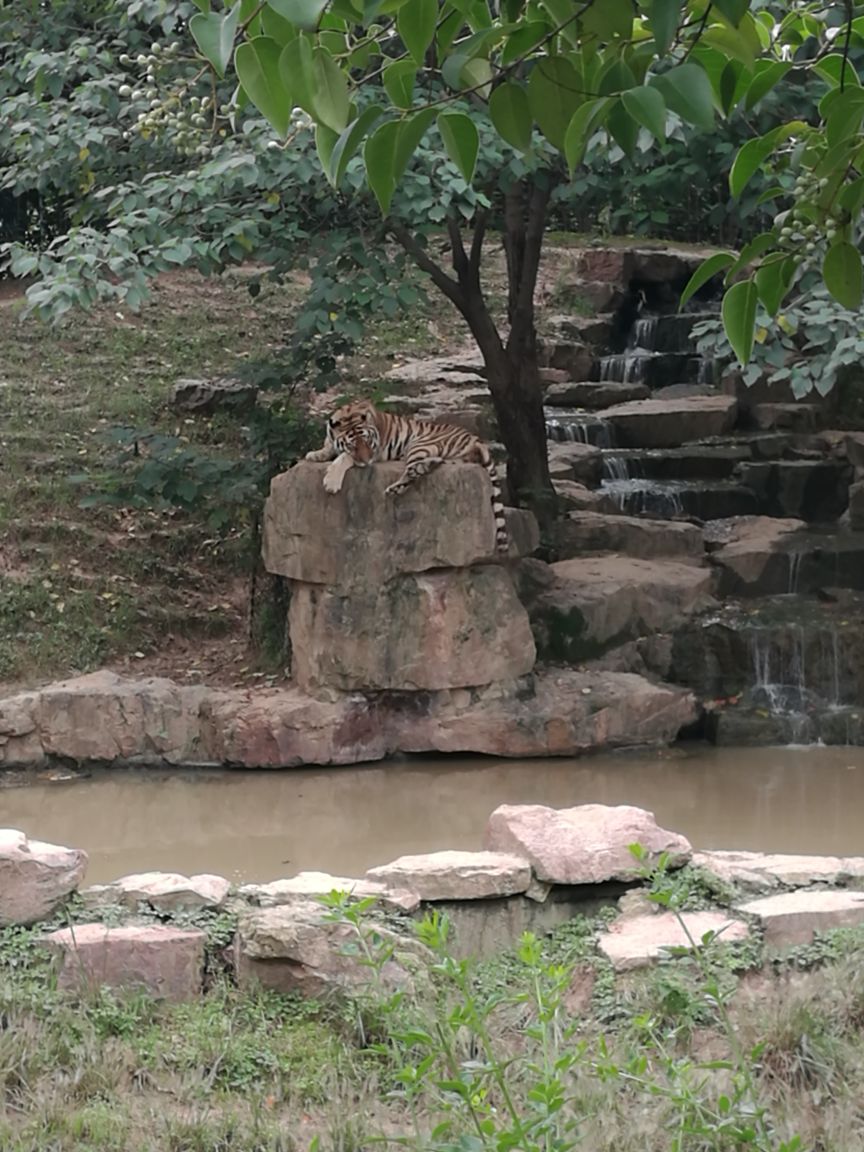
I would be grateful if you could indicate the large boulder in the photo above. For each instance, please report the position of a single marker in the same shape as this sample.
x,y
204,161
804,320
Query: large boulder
x,y
295,948
168,891
812,490
753,553
361,536
162,960
585,845
793,918
435,630
306,886
35,878
593,602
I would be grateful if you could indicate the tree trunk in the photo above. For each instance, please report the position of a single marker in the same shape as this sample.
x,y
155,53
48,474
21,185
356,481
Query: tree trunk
x,y
512,369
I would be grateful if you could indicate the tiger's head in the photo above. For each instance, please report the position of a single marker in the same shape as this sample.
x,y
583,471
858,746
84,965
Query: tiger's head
x,y
353,428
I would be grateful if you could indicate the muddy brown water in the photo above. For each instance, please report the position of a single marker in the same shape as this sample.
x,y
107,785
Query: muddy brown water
x,y
257,826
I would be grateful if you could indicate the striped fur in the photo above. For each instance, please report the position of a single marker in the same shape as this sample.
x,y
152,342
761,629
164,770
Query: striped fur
x,y
358,434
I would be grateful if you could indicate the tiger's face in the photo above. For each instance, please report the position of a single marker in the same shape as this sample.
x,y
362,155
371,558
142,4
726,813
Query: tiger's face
x,y
353,429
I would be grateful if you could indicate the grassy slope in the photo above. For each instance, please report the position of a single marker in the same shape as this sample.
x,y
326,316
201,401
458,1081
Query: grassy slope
x,y
244,1072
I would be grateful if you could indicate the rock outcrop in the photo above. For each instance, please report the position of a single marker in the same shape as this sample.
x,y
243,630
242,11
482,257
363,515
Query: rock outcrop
x,y
151,721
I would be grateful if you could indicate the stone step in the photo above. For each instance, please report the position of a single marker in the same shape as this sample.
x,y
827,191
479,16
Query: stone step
x,y
592,394
670,423
700,499
572,461
691,462
766,557
656,369
815,490
585,532
582,607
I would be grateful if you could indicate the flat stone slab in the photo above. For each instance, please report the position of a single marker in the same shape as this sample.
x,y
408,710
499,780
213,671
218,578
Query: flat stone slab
x,y
166,962
572,461
794,917
306,886
762,870
453,875
581,532
106,718
669,423
637,941
618,598
585,845
171,892
751,552
593,394
35,878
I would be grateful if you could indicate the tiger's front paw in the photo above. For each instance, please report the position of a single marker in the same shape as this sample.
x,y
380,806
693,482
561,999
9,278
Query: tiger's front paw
x,y
333,478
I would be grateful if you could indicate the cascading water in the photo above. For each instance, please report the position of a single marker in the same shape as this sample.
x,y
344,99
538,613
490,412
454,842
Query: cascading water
x,y
577,427
626,368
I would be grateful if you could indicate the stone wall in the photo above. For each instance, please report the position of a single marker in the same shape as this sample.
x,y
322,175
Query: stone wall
x,y
538,868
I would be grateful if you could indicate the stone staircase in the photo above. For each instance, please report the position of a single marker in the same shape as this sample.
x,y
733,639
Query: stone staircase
x,y
709,537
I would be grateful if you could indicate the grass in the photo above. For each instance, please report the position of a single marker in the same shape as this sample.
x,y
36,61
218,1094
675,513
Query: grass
x,y
246,1070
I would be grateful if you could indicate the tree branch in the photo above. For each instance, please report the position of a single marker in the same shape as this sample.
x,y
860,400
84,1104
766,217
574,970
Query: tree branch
x,y
480,221
460,256
425,263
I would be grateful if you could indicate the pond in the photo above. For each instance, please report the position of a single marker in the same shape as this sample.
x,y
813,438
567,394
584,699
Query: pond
x,y
255,826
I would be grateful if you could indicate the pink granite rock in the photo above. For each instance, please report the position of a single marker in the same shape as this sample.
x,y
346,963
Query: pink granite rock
x,y
584,845
167,962
35,877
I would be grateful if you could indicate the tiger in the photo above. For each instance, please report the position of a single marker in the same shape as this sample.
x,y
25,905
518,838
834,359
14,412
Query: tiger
x,y
359,434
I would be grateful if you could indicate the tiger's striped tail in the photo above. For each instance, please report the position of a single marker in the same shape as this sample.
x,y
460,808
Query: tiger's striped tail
x,y
502,537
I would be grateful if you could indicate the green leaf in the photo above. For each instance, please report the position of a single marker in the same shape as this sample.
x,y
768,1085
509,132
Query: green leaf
x,y
754,153
511,115
841,270
295,69
461,140
663,21
379,156
329,91
349,142
582,124
609,19
688,92
520,42
257,65
553,96
772,283
214,35
732,10
623,128
648,108
728,87
301,13
415,23
398,80
852,197
759,244
766,75
277,27
844,119
831,69
411,132
704,273
325,142
739,318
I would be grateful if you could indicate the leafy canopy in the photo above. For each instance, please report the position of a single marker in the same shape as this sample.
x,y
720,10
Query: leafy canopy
x,y
376,76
